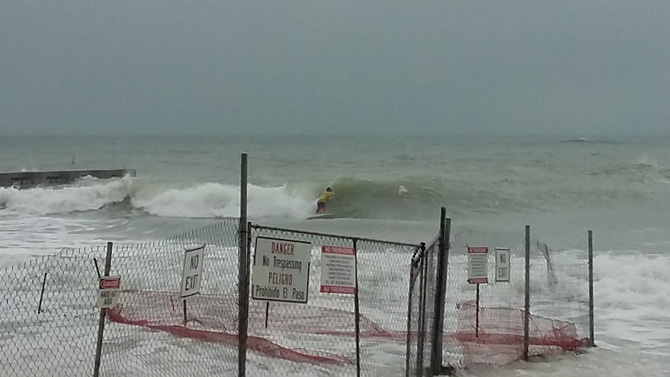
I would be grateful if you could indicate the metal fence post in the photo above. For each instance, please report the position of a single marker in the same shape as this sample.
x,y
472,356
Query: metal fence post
x,y
44,283
103,312
243,274
412,285
526,314
591,315
357,313
440,292
421,333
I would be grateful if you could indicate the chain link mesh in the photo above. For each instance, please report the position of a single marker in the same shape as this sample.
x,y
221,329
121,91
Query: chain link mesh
x,y
559,296
53,333
152,332
422,291
323,329
415,329
145,334
492,330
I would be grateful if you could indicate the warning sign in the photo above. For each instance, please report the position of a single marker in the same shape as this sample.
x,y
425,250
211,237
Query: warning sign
x,y
478,267
338,270
191,276
108,291
502,264
281,270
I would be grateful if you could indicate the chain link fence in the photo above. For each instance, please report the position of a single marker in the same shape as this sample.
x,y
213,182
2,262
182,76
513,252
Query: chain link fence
x,y
48,319
322,330
421,309
415,325
485,319
346,320
152,331
560,293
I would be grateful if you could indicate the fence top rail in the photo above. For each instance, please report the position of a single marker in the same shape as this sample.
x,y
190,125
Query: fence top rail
x,y
256,226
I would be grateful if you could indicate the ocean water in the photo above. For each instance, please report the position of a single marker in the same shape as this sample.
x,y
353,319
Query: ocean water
x,y
619,187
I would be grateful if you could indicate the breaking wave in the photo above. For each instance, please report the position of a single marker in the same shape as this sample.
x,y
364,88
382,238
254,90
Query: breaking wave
x,y
419,198
359,199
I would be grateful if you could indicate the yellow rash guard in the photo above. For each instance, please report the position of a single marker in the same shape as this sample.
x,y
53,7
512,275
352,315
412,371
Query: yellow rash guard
x,y
325,196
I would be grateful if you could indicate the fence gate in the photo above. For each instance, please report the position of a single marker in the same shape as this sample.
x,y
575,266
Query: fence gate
x,y
320,300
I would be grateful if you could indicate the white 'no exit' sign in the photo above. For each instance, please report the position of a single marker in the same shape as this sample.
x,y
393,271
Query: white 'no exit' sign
x,y
192,275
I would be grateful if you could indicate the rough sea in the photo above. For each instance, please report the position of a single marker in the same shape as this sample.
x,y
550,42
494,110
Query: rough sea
x,y
618,187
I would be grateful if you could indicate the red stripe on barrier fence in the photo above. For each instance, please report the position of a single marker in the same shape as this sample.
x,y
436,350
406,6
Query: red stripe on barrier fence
x,y
254,343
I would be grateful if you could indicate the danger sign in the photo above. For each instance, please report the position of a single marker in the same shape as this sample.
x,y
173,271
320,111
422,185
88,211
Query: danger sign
x,y
281,270
108,291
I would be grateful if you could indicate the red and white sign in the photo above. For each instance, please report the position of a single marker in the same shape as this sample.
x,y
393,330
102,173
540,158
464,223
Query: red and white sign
x,y
478,267
110,283
281,270
338,270
108,291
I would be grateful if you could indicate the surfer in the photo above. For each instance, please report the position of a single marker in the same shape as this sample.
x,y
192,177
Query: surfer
x,y
321,202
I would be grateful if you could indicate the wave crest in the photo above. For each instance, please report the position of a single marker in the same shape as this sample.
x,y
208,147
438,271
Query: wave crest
x,y
87,194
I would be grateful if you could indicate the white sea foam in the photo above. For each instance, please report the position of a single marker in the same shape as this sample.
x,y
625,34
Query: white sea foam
x,y
219,200
203,200
632,297
61,200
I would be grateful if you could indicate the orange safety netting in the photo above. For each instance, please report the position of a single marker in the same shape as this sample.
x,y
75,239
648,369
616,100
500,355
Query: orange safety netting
x,y
215,319
496,334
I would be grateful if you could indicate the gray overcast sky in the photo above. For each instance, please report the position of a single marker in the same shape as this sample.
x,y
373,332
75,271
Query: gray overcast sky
x,y
330,67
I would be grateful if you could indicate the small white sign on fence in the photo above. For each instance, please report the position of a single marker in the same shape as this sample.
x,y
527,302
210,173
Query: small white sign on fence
x,y
108,291
502,264
478,265
191,277
338,270
281,270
